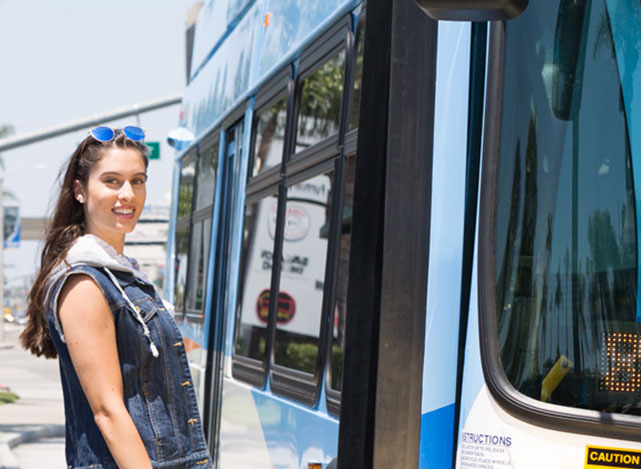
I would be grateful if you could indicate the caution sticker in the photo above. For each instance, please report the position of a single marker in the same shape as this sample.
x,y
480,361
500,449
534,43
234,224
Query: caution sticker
x,y
598,457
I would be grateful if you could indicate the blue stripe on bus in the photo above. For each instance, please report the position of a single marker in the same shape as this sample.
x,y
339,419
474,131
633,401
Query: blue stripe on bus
x,y
437,432
292,431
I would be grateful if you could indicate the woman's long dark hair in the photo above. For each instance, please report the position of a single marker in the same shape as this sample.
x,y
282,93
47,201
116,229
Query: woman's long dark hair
x,y
66,225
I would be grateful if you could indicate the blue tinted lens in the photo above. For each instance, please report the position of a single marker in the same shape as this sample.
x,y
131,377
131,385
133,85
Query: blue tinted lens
x,y
134,133
103,134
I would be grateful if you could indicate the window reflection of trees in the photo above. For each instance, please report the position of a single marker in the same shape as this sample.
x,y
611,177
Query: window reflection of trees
x,y
342,275
180,267
270,135
250,338
206,185
358,77
320,104
186,188
566,229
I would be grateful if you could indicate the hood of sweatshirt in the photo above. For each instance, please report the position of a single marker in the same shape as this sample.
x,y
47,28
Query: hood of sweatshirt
x,y
93,251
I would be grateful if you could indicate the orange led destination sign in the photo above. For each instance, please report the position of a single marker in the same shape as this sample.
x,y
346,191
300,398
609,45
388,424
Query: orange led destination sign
x,y
621,362
598,457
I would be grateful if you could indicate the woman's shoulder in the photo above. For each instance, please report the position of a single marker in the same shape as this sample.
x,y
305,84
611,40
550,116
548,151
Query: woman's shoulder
x,y
79,280
80,288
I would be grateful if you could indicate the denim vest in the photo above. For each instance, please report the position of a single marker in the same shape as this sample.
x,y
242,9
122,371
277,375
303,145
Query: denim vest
x,y
158,391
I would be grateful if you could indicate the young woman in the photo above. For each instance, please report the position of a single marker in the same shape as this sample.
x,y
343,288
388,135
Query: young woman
x,y
128,394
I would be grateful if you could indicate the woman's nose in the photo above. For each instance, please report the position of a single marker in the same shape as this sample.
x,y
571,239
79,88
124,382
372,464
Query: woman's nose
x,y
126,191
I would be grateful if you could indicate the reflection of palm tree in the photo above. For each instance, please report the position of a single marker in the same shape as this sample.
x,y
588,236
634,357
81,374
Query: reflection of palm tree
x,y
603,38
273,124
504,291
519,318
612,283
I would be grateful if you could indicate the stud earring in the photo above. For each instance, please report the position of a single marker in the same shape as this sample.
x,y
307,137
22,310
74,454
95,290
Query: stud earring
x,y
79,198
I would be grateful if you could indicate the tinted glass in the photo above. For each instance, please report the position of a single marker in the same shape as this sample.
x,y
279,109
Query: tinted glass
x,y
320,103
300,300
186,188
269,136
358,77
342,276
199,256
566,248
206,177
180,266
255,277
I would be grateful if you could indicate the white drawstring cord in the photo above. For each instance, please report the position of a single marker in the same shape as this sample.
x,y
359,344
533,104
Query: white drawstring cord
x,y
136,310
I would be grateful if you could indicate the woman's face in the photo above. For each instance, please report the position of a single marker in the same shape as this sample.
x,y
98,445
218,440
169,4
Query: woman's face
x,y
114,195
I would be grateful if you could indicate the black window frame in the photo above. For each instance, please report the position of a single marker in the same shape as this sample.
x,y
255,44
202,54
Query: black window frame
x,y
289,382
338,38
200,216
327,154
245,368
278,87
551,416
352,134
324,155
348,141
193,155
261,186
333,396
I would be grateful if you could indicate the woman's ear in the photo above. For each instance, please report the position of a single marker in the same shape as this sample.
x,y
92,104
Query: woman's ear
x,y
78,191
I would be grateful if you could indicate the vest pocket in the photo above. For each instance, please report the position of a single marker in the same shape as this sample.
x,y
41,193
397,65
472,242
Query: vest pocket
x,y
146,307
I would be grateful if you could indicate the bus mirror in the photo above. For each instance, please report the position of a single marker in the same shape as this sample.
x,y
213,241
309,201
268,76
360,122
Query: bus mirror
x,y
473,10
180,138
569,58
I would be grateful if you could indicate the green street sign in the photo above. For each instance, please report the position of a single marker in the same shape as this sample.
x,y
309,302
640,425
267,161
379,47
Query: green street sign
x,y
155,150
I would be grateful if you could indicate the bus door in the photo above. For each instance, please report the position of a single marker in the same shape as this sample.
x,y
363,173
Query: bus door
x,y
553,365
222,246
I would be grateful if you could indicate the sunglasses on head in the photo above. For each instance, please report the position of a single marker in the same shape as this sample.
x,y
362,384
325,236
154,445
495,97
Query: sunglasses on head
x,y
107,134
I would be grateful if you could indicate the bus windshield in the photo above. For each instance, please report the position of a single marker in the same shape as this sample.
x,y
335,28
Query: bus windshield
x,y
567,208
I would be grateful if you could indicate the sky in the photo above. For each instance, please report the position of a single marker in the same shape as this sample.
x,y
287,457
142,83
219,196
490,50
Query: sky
x,y
66,60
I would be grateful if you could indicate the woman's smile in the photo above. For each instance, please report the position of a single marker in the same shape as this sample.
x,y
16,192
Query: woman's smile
x,y
124,212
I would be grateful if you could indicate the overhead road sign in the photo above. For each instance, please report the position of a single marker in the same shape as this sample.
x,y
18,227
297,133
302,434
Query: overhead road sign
x,y
155,150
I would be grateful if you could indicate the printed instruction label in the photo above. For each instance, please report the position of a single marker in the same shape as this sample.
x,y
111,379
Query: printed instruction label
x,y
484,451
599,457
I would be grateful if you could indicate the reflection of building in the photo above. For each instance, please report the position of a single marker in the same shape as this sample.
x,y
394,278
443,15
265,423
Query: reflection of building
x,y
147,243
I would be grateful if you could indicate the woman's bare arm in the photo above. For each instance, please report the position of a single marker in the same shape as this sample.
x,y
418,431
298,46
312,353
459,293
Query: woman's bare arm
x,y
90,333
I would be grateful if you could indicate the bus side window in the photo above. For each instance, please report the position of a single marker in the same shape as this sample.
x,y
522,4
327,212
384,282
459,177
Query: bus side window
x,y
338,312
183,222
302,273
337,350
320,103
255,277
269,136
201,232
358,77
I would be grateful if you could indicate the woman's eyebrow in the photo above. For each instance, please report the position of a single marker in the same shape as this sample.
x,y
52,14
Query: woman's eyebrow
x,y
116,173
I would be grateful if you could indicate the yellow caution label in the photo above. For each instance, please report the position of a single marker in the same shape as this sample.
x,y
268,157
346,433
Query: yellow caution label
x,y
599,457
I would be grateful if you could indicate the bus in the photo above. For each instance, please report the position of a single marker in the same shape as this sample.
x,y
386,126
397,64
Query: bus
x,y
397,239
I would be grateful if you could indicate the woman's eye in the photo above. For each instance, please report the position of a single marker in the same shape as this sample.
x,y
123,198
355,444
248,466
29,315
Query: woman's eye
x,y
111,181
138,181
